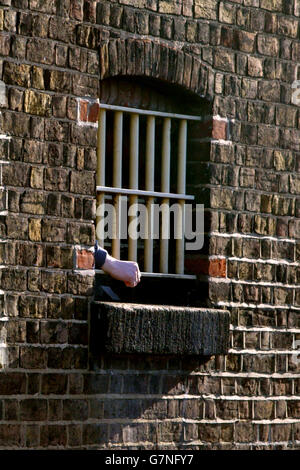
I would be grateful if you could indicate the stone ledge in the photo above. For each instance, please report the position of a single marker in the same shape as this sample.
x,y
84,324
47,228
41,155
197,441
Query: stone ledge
x,y
126,328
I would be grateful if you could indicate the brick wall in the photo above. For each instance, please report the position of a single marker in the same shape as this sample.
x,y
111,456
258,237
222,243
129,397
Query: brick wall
x,y
242,57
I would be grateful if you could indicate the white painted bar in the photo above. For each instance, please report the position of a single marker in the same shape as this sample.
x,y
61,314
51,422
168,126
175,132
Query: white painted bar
x,y
100,175
101,153
149,185
101,148
115,243
149,112
132,243
160,275
100,236
181,187
134,152
166,156
109,189
168,275
181,170
150,153
164,242
165,187
117,179
179,262
133,176
117,149
148,242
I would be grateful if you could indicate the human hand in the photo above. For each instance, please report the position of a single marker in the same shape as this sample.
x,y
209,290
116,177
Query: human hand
x,y
126,271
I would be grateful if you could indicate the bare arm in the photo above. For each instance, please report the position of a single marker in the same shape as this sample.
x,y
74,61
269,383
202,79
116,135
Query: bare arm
x,y
126,271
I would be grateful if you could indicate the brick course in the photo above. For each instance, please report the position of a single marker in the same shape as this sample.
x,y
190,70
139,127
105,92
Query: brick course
x,y
241,57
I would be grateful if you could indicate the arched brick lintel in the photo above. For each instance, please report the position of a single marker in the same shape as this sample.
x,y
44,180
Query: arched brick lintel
x,y
144,57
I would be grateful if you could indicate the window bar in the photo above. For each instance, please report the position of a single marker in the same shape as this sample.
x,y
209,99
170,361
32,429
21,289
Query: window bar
x,y
149,186
117,180
181,182
165,187
140,192
148,112
100,176
133,176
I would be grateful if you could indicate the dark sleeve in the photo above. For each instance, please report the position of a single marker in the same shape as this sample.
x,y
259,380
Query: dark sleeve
x,y
100,256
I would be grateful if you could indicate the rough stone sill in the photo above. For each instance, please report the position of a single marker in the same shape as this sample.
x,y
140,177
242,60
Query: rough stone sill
x,y
126,328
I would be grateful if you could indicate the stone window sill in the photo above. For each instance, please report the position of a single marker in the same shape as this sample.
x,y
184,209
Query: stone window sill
x,y
127,328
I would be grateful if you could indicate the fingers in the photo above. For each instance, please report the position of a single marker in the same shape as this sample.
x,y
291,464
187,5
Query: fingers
x,y
130,284
135,276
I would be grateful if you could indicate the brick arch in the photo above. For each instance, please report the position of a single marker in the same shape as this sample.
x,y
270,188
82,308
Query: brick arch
x,y
143,57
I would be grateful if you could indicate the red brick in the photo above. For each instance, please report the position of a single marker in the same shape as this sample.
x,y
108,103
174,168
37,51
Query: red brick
x,y
93,112
213,267
83,109
85,259
217,268
219,131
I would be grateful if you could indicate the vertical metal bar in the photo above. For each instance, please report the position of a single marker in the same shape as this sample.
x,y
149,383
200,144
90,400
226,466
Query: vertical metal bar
x,y
165,187
181,188
150,153
100,175
134,152
166,154
99,232
179,260
149,186
148,246
117,149
133,176
181,173
117,179
101,146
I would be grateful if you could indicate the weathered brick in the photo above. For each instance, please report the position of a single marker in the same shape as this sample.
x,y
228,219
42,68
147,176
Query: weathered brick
x,y
205,9
33,358
54,281
72,358
53,332
224,60
82,183
56,131
15,175
41,51
33,409
273,5
32,306
10,435
57,179
59,81
5,44
61,30
53,230
268,45
13,383
53,435
16,74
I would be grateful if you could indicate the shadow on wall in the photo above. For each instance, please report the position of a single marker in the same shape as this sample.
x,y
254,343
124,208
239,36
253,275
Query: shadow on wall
x,y
4,354
151,399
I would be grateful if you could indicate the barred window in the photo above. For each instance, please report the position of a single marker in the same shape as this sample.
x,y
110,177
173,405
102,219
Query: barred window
x,y
142,158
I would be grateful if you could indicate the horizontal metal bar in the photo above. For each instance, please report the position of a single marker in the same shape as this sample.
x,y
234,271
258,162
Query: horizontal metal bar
x,y
169,275
137,192
161,275
149,112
